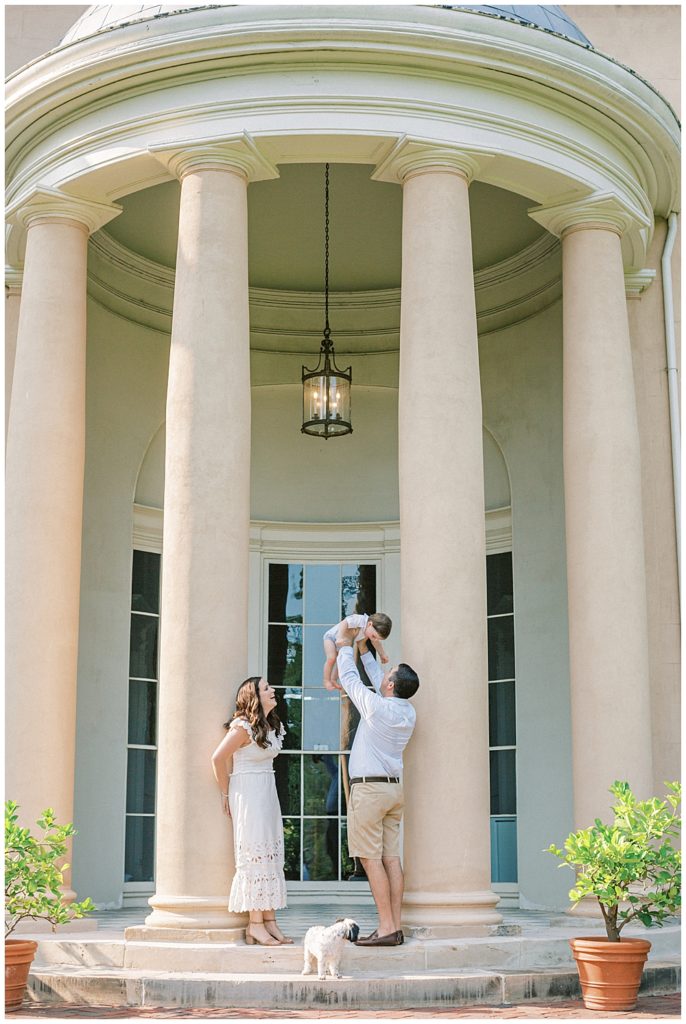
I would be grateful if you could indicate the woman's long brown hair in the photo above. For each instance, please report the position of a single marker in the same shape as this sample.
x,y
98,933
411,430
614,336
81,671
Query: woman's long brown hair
x,y
249,706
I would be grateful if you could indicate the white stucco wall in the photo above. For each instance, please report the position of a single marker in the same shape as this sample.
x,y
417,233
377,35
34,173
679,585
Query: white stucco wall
x,y
126,391
521,379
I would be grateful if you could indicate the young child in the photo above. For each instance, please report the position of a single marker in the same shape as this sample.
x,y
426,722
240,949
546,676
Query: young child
x,y
374,628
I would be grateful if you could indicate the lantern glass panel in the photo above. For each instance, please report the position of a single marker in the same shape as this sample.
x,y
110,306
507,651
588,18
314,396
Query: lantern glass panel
x,y
339,399
314,398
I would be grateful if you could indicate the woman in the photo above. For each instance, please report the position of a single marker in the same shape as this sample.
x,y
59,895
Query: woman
x,y
243,765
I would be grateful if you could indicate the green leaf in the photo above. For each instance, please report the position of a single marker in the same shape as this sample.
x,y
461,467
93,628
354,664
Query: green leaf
x,y
34,870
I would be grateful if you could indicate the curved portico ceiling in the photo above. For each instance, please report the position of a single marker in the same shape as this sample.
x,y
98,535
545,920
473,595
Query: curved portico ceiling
x,y
286,228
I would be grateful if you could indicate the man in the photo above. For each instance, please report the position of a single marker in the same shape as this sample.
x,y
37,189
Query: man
x,y
375,806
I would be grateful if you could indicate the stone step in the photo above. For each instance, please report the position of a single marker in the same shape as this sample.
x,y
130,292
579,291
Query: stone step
x,y
369,990
549,948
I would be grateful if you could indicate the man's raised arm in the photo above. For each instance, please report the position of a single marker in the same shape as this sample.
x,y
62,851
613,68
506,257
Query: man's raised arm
x,y
374,671
362,697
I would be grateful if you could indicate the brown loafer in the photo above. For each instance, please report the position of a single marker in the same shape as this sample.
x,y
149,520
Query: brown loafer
x,y
379,940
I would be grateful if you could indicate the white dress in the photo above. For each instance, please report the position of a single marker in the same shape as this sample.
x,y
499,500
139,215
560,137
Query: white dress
x,y
259,882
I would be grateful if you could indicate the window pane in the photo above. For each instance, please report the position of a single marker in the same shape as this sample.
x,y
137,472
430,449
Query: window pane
x,y
320,794
291,838
501,648
140,781
284,656
503,782
349,867
503,849
287,777
142,712
358,590
320,849
321,719
313,655
321,594
289,710
501,715
285,593
143,647
366,597
499,583
145,583
139,857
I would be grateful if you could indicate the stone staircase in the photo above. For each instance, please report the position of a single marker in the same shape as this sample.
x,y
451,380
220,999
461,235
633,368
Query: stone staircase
x,y
499,969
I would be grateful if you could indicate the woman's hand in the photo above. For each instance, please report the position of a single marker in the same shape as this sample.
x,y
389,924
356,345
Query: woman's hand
x,y
225,804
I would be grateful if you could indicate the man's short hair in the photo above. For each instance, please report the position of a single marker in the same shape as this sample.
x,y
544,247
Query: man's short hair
x,y
405,681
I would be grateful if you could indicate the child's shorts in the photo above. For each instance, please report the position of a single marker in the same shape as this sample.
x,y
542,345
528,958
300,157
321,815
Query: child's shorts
x,y
331,634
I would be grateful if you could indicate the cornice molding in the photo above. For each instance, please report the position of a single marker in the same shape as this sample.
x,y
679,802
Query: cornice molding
x,y
237,153
14,279
50,204
143,291
537,253
534,255
278,538
147,528
601,210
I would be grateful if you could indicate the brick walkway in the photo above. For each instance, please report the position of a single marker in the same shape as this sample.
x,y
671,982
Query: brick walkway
x,y
648,1008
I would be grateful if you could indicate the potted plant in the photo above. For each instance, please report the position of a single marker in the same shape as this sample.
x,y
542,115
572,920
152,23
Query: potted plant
x,y
634,871
32,890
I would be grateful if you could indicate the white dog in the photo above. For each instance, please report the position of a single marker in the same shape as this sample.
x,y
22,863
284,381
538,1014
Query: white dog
x,y
325,946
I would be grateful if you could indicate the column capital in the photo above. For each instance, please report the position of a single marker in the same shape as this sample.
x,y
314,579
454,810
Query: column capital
x,y
415,156
51,204
603,211
637,281
237,153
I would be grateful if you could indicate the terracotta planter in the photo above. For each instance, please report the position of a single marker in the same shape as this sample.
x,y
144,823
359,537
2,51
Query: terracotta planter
x,y
609,972
19,954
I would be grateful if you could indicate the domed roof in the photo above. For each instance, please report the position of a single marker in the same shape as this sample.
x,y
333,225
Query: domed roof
x,y
548,17
107,16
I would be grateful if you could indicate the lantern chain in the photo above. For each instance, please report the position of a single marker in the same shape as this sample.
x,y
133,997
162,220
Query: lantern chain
x,y
327,329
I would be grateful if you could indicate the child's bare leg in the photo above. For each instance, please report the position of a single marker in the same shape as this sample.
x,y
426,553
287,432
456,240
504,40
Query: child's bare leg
x,y
334,676
330,672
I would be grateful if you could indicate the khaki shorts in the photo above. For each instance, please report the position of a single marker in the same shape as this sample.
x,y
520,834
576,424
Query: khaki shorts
x,y
375,810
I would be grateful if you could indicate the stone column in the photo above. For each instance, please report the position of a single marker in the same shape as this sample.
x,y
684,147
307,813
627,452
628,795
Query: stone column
x,y
204,603
608,632
443,556
13,280
45,464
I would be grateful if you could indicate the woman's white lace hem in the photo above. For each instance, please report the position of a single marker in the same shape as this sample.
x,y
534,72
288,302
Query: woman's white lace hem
x,y
258,890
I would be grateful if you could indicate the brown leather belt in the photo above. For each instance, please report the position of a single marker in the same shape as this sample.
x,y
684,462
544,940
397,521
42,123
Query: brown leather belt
x,y
374,778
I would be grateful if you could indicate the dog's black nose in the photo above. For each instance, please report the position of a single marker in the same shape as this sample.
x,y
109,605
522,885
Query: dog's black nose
x,y
354,932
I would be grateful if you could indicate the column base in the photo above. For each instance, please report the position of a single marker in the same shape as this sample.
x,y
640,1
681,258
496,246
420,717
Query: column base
x,y
444,915
198,913
144,933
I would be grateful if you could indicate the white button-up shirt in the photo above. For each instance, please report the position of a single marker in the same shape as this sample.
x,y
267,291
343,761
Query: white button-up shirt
x,y
386,723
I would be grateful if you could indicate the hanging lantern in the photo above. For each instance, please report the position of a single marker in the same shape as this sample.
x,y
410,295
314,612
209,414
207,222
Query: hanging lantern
x,y
326,389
